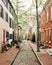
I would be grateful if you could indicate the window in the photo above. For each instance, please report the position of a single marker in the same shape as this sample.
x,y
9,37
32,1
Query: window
x,y
12,11
47,16
1,11
10,22
51,12
47,34
5,2
11,36
7,34
9,8
6,17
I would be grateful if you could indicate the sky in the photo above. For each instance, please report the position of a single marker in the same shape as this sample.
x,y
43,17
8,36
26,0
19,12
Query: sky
x,y
28,3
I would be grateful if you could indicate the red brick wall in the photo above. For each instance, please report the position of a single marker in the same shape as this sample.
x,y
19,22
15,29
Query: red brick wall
x,y
43,36
43,20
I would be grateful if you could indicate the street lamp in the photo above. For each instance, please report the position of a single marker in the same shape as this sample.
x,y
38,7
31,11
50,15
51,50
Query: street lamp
x,y
37,26
19,31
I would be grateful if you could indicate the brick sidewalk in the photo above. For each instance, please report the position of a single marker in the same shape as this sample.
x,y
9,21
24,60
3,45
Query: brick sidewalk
x,y
43,57
7,57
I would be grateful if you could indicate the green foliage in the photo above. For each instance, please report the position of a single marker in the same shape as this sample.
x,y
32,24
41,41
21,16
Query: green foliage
x,y
19,10
16,41
33,37
8,45
39,2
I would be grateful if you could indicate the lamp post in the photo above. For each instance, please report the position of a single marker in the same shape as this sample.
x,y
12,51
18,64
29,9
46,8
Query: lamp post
x,y
37,26
19,32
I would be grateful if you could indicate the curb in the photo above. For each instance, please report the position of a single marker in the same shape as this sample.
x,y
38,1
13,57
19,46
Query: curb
x,y
37,57
11,63
40,62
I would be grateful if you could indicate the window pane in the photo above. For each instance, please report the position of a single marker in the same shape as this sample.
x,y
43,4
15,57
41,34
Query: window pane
x,y
7,34
47,16
6,17
1,11
10,22
11,36
5,2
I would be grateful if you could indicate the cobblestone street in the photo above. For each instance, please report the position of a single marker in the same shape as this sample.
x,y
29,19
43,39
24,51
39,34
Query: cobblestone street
x,y
26,56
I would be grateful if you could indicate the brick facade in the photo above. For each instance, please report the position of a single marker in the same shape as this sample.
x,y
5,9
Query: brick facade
x,y
46,29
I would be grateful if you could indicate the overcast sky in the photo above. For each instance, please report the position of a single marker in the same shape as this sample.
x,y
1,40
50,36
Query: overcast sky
x,y
28,3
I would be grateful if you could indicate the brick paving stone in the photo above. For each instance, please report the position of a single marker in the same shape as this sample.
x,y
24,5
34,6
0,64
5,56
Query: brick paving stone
x,y
26,56
7,57
45,58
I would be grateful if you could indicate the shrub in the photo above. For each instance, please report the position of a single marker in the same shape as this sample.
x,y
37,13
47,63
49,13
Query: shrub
x,y
8,45
33,37
15,41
